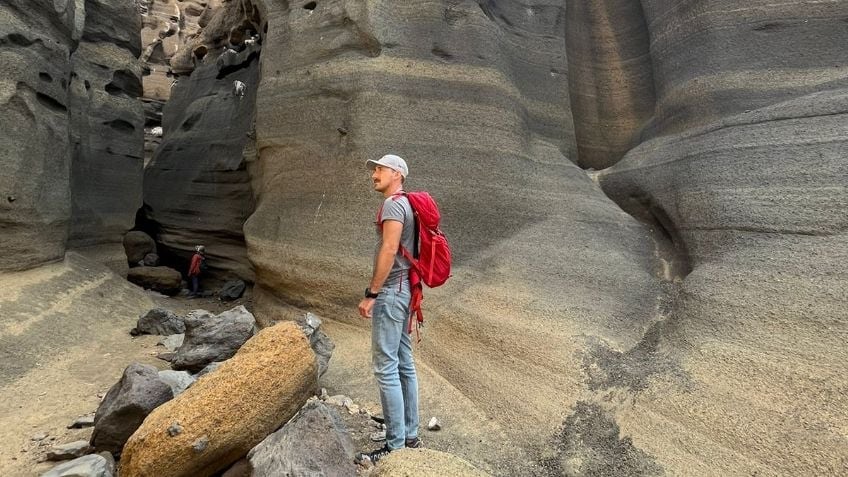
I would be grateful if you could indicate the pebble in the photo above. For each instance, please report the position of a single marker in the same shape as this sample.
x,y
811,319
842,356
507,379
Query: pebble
x,y
81,422
68,451
434,424
39,437
378,436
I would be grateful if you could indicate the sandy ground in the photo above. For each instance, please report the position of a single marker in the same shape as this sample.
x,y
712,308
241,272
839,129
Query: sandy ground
x,y
64,341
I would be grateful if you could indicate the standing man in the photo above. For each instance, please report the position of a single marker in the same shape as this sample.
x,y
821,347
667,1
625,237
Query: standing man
x,y
197,265
386,303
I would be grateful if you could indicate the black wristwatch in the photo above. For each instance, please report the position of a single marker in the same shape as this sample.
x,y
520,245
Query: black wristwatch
x,y
370,294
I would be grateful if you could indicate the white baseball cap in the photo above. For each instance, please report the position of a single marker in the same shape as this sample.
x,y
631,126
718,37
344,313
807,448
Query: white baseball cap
x,y
391,161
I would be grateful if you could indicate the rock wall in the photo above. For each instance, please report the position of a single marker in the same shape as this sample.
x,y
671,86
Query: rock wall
x,y
197,188
70,75
106,127
474,96
36,39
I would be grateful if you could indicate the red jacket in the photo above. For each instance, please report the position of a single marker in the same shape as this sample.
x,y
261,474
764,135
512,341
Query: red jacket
x,y
194,268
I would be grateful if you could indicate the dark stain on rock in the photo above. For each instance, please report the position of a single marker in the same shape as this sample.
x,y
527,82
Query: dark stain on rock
x,y
607,368
771,26
437,51
589,444
16,39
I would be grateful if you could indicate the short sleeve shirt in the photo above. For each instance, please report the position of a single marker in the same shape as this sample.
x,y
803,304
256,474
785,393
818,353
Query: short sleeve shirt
x,y
398,209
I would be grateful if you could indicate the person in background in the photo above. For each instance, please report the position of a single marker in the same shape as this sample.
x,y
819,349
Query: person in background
x,y
195,268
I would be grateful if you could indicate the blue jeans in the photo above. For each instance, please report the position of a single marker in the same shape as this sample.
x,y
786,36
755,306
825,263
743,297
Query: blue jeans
x,y
394,367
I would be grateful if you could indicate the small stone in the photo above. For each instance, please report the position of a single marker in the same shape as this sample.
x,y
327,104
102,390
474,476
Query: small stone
x,y
82,422
340,400
378,436
39,437
434,424
200,444
175,429
352,409
324,396
68,451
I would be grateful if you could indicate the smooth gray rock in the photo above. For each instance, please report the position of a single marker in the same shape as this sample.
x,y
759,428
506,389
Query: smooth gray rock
x,y
161,279
211,337
137,244
82,422
179,381
71,450
125,406
107,121
87,466
315,442
232,290
150,260
160,321
209,368
35,193
172,342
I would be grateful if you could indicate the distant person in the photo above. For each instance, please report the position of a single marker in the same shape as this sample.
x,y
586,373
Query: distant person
x,y
387,304
195,268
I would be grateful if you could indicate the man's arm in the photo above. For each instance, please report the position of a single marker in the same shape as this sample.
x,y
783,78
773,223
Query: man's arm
x,y
383,263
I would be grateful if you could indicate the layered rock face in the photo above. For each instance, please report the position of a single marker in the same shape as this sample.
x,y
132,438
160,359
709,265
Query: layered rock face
x,y
70,77
106,127
747,178
197,188
35,43
475,98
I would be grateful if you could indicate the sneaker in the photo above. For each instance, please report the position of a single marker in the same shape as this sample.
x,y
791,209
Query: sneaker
x,y
414,443
373,456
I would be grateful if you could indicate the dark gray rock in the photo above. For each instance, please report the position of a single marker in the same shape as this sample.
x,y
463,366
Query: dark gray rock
x,y
150,260
137,244
314,442
87,466
125,406
159,321
197,186
211,337
35,194
232,290
179,381
161,279
319,341
107,120
68,451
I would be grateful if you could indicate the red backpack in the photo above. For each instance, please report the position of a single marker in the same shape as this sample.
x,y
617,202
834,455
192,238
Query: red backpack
x,y
431,257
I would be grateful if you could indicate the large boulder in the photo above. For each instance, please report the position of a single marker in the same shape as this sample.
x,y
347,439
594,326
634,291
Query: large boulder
x,y
126,405
138,244
232,290
314,441
211,337
228,411
164,280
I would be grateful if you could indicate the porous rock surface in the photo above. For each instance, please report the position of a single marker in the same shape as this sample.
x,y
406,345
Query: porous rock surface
x,y
197,187
210,338
228,411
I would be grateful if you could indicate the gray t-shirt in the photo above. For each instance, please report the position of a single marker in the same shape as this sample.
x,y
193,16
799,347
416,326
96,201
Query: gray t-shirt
x,y
399,209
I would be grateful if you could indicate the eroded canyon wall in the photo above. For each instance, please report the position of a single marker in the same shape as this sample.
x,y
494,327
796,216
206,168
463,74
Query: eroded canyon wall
x,y
475,97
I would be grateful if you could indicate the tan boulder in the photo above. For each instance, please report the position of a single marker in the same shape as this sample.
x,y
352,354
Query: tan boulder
x,y
228,411
425,463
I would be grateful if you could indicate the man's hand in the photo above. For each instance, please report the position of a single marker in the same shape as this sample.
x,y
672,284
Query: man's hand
x,y
365,307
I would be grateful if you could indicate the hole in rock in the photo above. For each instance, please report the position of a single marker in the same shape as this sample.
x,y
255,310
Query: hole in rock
x,y
45,77
310,6
120,125
50,103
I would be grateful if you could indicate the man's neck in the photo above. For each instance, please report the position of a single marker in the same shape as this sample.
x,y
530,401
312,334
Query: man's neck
x,y
392,191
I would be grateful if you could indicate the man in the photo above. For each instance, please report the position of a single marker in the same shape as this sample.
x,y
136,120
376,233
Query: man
x,y
198,263
386,303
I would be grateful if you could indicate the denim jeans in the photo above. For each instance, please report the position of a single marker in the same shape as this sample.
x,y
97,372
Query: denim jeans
x,y
394,367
